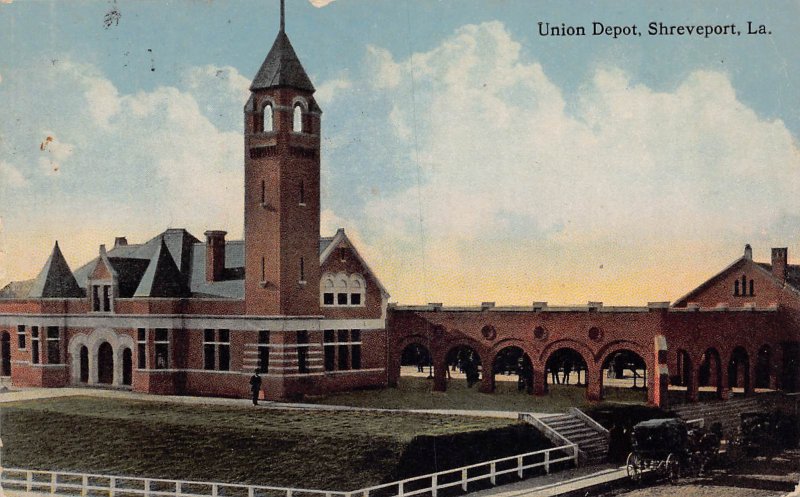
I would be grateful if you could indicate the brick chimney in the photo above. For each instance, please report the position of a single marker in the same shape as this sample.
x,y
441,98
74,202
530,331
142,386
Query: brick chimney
x,y
780,258
748,252
120,241
215,255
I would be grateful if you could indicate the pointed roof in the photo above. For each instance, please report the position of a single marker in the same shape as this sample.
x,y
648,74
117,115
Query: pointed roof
x,y
162,277
56,279
282,68
327,246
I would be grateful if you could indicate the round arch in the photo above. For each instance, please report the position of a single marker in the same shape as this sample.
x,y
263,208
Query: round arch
x,y
709,371
563,364
509,359
623,368
93,341
739,369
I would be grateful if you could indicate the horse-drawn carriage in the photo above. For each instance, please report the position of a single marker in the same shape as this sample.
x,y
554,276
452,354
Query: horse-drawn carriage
x,y
667,448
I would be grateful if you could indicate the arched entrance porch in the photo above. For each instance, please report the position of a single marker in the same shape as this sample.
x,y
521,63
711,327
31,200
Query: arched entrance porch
x,y
624,371
103,357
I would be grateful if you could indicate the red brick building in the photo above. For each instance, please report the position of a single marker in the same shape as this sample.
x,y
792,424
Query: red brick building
x,y
178,314
738,330
181,315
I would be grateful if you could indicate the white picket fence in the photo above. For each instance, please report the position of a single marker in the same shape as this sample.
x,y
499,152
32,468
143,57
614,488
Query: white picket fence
x,y
33,482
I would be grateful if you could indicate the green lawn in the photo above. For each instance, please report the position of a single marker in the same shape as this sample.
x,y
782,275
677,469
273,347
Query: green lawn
x,y
310,449
415,393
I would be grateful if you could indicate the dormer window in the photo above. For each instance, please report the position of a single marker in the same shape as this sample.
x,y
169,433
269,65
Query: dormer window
x,y
102,297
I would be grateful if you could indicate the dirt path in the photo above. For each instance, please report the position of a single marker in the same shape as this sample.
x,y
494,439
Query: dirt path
x,y
754,478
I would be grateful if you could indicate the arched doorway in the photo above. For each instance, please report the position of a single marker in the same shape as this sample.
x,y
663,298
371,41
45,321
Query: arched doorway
x,y
624,369
683,379
763,366
127,366
464,361
739,370
105,364
415,360
513,362
84,364
709,374
565,366
6,354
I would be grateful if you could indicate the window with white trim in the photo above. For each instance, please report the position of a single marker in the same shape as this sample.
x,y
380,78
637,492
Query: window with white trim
x,y
342,290
342,349
297,118
53,345
35,344
141,348
217,350
21,336
267,118
102,298
162,348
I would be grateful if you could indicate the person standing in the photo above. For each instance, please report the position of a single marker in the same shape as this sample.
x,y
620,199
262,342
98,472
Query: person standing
x,y
255,386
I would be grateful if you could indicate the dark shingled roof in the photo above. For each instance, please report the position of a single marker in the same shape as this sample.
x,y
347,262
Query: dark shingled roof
x,y
792,273
56,279
129,274
162,277
281,68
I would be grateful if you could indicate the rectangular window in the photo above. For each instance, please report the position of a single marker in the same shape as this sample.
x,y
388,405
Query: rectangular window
x,y
224,348
141,348
302,269
35,344
162,348
330,350
209,349
341,299
355,352
344,350
95,298
263,270
106,298
302,351
327,298
263,351
355,299
302,193
53,345
21,337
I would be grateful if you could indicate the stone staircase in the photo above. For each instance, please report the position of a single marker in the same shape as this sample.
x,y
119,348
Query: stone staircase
x,y
726,412
578,428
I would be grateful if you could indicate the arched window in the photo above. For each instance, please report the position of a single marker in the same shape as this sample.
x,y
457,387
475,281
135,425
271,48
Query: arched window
x,y
297,119
327,291
342,289
268,116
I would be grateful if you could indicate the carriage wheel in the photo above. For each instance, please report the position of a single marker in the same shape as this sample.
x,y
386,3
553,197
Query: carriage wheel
x,y
672,467
634,467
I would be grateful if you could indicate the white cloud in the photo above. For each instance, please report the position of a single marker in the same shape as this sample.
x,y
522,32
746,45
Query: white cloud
x,y
139,162
328,90
513,186
10,176
320,3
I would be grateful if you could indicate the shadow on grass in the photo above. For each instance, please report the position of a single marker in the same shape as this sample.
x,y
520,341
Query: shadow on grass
x,y
416,393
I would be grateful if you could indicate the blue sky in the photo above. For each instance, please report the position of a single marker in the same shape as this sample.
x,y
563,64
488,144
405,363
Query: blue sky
x,y
470,158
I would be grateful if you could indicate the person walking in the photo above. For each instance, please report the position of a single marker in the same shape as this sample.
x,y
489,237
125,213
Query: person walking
x,y
255,386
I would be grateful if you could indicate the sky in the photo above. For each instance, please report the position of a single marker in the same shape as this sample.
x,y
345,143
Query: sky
x,y
468,157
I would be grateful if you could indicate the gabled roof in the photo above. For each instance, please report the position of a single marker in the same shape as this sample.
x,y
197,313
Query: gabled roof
x,y
56,279
792,278
281,68
330,245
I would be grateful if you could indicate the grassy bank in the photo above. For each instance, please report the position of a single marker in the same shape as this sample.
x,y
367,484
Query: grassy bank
x,y
311,449
415,393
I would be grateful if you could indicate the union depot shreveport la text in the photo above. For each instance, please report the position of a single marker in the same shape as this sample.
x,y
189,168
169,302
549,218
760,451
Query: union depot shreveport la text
x,y
182,315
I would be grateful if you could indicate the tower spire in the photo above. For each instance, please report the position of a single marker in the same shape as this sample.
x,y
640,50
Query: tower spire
x,y
283,16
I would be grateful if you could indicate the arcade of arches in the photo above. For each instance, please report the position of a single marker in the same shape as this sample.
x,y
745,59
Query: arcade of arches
x,y
593,350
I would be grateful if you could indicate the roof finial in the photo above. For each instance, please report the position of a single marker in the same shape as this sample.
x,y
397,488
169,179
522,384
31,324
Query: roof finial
x,y
283,15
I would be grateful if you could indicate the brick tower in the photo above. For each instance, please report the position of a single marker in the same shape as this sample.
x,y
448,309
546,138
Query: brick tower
x,y
282,187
